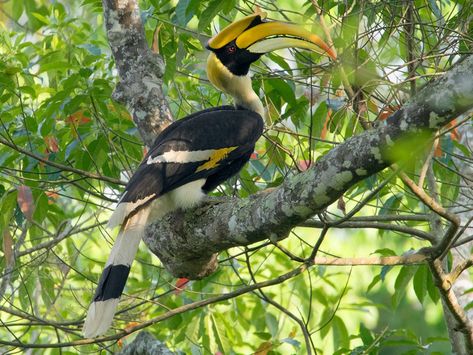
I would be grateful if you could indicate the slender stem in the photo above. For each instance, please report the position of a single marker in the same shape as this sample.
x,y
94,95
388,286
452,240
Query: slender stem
x,y
60,166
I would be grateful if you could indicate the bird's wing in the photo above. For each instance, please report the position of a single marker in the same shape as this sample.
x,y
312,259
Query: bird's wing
x,y
211,144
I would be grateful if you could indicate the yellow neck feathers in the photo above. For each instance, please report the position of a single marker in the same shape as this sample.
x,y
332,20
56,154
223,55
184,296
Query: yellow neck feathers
x,y
239,87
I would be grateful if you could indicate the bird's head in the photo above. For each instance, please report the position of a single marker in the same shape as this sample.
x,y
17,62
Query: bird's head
x,y
245,41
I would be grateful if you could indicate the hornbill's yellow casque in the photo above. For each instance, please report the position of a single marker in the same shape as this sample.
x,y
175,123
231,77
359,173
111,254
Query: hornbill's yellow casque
x,y
195,154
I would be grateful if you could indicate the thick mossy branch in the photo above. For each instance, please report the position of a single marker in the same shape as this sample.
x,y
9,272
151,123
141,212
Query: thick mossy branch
x,y
187,242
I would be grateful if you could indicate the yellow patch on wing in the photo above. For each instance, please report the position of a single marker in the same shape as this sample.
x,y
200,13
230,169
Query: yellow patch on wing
x,y
215,158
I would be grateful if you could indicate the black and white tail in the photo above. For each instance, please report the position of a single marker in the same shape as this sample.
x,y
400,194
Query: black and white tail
x,y
114,276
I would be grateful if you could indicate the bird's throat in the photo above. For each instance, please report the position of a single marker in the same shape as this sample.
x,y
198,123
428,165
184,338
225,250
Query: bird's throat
x,y
237,86
250,101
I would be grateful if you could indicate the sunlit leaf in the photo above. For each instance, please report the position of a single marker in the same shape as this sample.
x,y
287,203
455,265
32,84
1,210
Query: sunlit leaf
x,y
340,332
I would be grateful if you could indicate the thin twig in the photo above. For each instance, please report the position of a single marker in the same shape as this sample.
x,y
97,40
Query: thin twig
x,y
445,243
463,323
412,259
377,225
60,166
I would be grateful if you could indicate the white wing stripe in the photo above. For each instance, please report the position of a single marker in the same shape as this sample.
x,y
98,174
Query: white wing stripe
x,y
182,156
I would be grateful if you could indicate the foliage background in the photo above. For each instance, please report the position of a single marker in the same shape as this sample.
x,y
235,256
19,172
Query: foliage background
x,y
68,148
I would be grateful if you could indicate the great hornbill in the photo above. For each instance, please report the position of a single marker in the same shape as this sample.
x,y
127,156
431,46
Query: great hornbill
x,y
195,154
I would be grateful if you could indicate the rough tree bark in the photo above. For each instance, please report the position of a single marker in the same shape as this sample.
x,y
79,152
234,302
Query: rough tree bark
x,y
145,344
462,253
140,70
464,209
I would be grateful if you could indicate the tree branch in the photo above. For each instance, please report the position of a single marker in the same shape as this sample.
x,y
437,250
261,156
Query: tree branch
x,y
456,313
140,70
377,225
187,242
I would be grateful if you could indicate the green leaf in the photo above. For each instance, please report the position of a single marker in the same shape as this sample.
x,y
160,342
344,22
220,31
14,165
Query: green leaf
x,y
17,10
465,151
350,29
47,286
263,335
400,286
41,207
324,318
261,170
296,344
391,205
60,65
219,331
420,282
275,153
340,332
279,61
285,89
337,120
435,9
385,252
450,188
47,125
212,9
468,306
432,290
248,186
384,271
229,5
28,90
42,18
373,282
408,146
319,118
8,206
365,335
403,45
470,290
185,10
272,324
26,289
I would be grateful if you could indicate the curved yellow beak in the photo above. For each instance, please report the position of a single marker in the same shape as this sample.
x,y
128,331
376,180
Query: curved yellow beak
x,y
257,36
233,30
259,39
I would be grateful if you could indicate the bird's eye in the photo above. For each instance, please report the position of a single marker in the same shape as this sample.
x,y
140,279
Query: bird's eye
x,y
231,49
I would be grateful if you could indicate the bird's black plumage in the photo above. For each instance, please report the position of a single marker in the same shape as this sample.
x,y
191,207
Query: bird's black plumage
x,y
112,282
211,129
